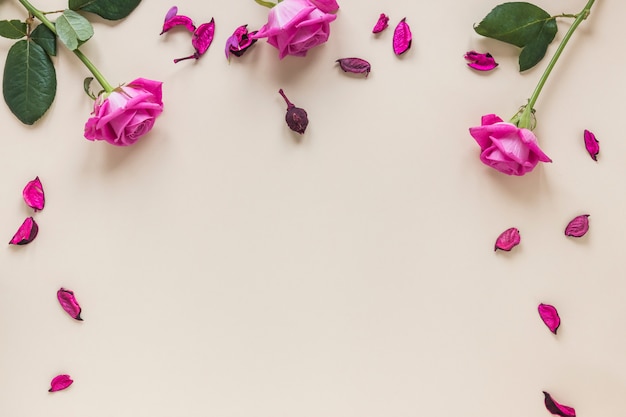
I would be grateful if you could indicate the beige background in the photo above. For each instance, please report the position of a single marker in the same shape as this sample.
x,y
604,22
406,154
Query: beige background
x,y
227,267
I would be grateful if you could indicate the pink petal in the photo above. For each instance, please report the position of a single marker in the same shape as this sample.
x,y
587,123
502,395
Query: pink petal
x,y
355,65
480,62
203,37
550,317
556,408
592,144
178,20
33,194
381,24
578,226
326,6
508,239
402,37
26,233
173,11
60,382
68,302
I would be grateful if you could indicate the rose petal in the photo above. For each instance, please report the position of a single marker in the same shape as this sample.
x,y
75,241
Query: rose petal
x,y
556,408
480,62
326,6
402,37
60,382
68,302
26,233
239,41
381,24
177,20
592,145
173,11
508,239
203,37
550,317
578,226
33,194
355,65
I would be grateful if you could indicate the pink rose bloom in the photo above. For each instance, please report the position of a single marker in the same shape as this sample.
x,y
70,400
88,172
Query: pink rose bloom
x,y
295,26
126,114
506,147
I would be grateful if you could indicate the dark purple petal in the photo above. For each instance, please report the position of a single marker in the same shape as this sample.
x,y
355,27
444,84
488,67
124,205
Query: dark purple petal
x,y
177,20
26,233
556,408
381,24
550,317
592,145
296,118
402,37
355,65
33,194
68,302
578,226
480,62
508,239
60,382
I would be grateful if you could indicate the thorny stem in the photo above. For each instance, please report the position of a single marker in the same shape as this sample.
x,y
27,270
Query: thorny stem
x,y
47,23
525,119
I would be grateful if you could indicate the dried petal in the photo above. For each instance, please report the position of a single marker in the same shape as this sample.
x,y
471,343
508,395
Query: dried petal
x,y
508,239
60,382
173,11
26,233
550,317
201,40
173,19
33,194
578,226
355,65
402,37
239,41
68,302
296,118
480,62
592,145
381,24
556,408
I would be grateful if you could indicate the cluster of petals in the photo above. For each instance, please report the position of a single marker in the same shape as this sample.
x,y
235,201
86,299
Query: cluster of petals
x,y
239,42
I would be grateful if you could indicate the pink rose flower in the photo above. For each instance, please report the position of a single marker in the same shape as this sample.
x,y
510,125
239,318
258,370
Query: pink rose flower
x,y
126,114
295,26
506,147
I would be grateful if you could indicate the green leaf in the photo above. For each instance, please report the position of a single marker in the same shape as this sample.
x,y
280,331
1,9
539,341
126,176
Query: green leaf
x,y
45,38
12,29
29,83
73,29
107,9
521,24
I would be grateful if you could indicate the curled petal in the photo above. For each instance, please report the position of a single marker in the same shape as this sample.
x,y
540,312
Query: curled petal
x,y
171,21
578,226
381,24
68,302
480,62
355,65
326,6
60,382
550,316
556,408
402,37
592,145
33,194
508,239
239,41
26,233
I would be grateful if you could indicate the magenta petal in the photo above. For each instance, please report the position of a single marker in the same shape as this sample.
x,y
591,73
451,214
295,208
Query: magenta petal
x,y
68,302
26,233
33,194
203,37
556,408
578,226
178,20
381,24
480,62
173,11
592,145
355,65
402,37
60,382
550,317
508,239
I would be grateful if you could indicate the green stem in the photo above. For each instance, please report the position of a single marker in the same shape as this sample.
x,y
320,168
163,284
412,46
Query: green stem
x,y
525,119
90,66
267,4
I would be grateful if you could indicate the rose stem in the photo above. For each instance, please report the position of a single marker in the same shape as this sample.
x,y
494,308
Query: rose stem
x,y
290,105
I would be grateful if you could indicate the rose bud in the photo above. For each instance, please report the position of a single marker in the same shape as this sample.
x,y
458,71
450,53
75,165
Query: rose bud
x,y
296,117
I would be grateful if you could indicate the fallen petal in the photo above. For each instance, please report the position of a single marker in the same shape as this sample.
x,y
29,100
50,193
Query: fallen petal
x,y
402,37
355,65
578,226
296,118
33,194
68,302
480,62
550,317
203,37
177,20
381,24
26,233
556,408
592,145
508,239
239,41
60,382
